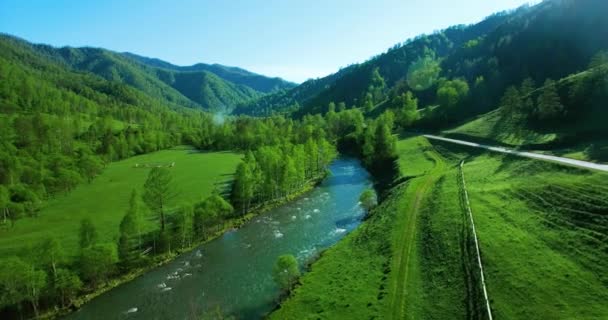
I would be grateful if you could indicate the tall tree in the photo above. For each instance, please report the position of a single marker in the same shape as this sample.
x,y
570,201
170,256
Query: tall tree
x,y
97,262
549,104
50,255
87,233
157,192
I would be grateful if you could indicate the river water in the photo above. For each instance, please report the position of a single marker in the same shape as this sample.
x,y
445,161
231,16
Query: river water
x,y
233,273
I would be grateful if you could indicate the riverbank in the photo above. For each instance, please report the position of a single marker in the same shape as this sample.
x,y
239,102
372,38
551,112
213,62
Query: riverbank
x,y
159,261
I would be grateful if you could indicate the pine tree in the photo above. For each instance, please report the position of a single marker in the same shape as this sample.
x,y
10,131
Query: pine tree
x,y
549,104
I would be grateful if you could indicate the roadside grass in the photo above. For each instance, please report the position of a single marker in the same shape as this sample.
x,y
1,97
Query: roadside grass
x,y
543,233
350,280
105,200
496,128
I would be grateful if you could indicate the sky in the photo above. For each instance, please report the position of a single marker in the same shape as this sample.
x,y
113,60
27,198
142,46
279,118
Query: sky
x,y
293,39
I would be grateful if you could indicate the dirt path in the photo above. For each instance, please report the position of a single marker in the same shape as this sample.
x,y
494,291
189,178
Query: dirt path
x,y
532,155
407,239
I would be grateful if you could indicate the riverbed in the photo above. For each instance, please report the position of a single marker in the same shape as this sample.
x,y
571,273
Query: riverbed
x,y
233,273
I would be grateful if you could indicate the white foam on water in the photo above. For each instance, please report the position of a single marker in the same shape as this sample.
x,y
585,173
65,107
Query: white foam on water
x,y
161,285
307,217
293,217
167,289
187,275
316,211
337,231
278,234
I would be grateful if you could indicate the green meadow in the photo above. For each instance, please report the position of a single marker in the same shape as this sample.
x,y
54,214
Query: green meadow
x,y
542,231
105,200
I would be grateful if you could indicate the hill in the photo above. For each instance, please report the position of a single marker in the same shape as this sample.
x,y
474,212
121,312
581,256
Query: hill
x,y
212,87
235,75
483,59
577,129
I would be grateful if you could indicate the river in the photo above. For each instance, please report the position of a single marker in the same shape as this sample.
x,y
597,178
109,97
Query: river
x,y
233,273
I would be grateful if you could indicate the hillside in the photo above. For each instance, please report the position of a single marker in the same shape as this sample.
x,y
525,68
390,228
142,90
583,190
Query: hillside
x,y
488,56
235,75
577,131
212,87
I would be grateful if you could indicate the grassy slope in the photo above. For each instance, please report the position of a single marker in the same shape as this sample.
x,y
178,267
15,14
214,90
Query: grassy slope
x,y
350,280
105,200
542,231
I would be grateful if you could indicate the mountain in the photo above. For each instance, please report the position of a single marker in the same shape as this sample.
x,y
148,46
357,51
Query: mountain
x,y
233,74
212,87
550,40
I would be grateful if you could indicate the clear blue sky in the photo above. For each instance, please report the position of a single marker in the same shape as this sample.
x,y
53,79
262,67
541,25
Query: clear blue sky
x,y
293,39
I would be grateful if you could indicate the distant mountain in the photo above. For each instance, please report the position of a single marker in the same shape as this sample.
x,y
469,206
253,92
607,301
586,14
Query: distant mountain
x,y
233,74
212,87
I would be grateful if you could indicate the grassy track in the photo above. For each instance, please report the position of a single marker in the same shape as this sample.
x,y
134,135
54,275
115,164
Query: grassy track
x,y
406,236
105,200
350,280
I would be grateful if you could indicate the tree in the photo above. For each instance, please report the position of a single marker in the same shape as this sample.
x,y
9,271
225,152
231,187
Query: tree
x,y
286,272
157,192
50,255
67,284
4,203
127,240
549,104
244,185
511,101
20,281
527,87
451,93
97,262
407,109
368,199
184,226
385,143
87,233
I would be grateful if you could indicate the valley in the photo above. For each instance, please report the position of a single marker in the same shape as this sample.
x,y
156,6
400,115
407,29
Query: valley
x,y
461,173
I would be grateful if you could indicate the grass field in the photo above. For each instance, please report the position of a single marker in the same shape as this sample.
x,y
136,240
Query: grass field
x,y
542,229
105,200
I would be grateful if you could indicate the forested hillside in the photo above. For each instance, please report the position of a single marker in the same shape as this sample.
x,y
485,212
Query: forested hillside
x,y
212,87
463,70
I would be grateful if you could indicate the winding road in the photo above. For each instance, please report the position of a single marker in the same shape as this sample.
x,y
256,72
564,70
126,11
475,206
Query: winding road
x,y
532,155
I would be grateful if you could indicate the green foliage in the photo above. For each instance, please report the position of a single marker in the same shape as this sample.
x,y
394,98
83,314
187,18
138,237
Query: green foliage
x,y
67,284
158,190
368,199
286,272
98,262
451,93
549,104
20,282
87,234
423,73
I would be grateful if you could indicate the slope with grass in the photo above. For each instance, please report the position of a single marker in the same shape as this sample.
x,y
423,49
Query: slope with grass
x,y
351,279
105,200
579,132
542,231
